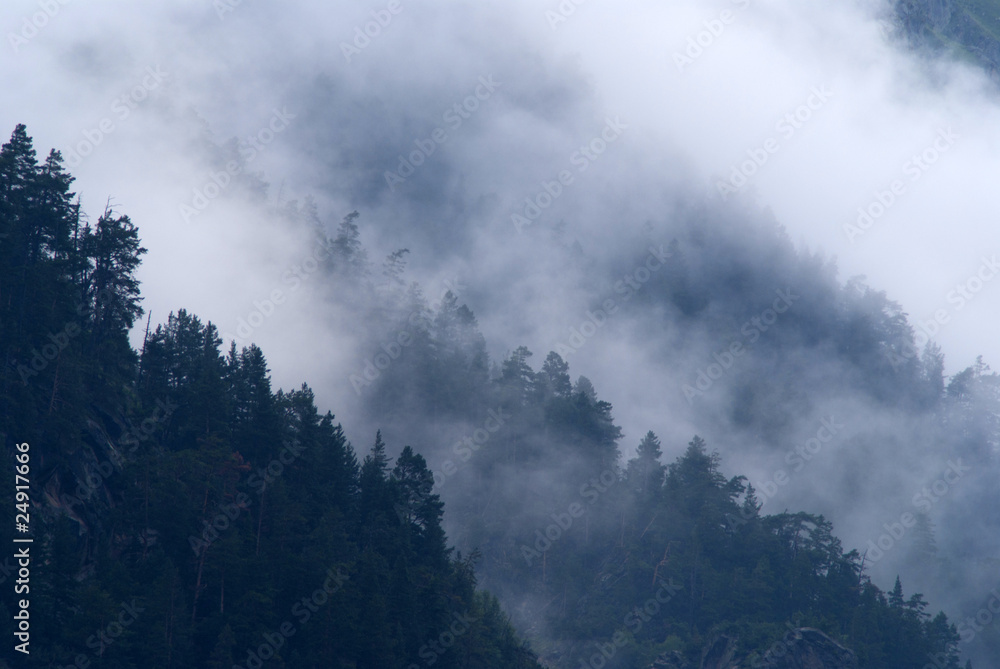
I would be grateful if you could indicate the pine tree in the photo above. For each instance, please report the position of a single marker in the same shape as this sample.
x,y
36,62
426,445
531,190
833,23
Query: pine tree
x,y
896,596
517,379
644,472
418,507
110,288
222,654
256,426
349,258
555,376
394,267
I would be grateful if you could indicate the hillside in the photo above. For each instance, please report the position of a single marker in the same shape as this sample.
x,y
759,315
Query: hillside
x,y
967,28
186,514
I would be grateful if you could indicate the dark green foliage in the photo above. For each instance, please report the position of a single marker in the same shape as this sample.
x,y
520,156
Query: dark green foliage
x,y
186,515
231,522
701,545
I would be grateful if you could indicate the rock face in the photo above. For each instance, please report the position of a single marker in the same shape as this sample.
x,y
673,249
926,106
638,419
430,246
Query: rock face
x,y
670,660
720,653
807,648
935,13
939,24
801,648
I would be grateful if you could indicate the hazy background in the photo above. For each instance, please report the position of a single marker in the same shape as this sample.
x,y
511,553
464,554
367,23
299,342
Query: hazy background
x,y
232,68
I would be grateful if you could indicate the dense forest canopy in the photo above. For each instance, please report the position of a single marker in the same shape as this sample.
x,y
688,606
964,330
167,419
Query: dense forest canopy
x,y
187,514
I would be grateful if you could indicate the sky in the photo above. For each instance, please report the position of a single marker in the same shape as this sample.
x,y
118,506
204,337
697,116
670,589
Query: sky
x,y
863,151
501,143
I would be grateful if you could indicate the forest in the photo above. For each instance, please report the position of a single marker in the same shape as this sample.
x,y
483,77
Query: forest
x,y
185,513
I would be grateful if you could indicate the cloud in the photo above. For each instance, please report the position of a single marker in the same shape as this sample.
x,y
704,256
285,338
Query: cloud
x,y
701,89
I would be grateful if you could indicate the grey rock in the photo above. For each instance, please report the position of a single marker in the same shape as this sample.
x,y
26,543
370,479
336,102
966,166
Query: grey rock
x,y
800,648
805,648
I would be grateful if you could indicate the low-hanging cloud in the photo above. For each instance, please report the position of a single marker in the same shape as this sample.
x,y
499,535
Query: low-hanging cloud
x,y
534,153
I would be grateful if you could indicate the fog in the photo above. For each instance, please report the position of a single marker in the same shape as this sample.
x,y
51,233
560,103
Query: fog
x,y
627,116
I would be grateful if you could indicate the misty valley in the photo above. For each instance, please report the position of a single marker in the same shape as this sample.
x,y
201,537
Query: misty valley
x,y
485,336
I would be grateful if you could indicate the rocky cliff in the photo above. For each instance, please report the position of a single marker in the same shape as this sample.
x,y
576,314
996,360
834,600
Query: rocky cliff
x,y
800,648
967,29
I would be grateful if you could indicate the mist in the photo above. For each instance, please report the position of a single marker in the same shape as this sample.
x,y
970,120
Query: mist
x,y
532,158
